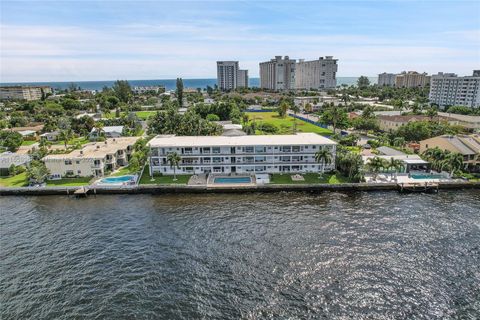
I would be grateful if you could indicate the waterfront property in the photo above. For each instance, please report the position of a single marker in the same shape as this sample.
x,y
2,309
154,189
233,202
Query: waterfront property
x,y
240,154
467,145
94,159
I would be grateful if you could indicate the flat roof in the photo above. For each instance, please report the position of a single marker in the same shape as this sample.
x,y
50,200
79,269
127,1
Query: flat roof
x,y
204,141
9,158
97,150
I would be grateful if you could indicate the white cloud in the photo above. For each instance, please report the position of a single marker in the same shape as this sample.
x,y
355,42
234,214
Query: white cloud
x,y
190,49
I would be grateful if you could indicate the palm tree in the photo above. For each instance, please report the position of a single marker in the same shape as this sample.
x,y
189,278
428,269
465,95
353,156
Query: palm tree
x,y
324,157
174,159
375,165
98,128
454,161
396,165
398,141
245,119
66,135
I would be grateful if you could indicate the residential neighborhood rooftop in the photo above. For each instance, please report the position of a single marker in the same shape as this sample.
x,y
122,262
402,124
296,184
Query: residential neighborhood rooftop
x,y
97,149
188,141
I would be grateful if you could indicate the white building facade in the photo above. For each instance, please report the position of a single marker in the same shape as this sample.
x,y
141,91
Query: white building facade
x,y
240,154
29,93
230,77
447,89
242,79
316,74
227,75
278,74
386,79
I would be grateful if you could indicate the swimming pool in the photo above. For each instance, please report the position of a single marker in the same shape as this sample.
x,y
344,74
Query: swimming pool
x,y
118,180
426,176
227,180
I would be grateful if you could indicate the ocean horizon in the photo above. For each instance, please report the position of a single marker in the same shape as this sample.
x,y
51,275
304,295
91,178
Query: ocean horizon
x,y
168,83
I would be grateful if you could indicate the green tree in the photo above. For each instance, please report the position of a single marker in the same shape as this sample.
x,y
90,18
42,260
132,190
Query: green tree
x,y
335,116
98,129
122,90
324,157
66,135
396,165
173,160
179,92
431,113
12,170
375,165
11,140
363,82
295,108
37,172
454,162
282,109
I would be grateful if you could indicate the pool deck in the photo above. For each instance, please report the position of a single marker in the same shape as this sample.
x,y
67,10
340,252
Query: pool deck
x,y
212,185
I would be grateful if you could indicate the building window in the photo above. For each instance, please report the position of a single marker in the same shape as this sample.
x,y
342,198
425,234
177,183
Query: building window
x,y
68,162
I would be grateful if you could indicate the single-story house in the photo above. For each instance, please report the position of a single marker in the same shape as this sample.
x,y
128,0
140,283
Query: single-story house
x,y
50,136
30,133
109,131
9,158
411,162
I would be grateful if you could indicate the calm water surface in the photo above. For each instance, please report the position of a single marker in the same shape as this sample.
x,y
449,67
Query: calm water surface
x,y
277,256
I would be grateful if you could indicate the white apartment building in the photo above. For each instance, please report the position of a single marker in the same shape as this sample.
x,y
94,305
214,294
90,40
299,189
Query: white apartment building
x,y
386,79
242,79
447,89
227,75
240,154
316,74
230,77
278,74
28,93
411,79
93,160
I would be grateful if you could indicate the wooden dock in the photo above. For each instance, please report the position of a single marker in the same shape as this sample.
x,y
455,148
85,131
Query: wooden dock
x,y
81,192
428,187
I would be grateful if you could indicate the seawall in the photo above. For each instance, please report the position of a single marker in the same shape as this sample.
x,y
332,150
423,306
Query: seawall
x,y
169,189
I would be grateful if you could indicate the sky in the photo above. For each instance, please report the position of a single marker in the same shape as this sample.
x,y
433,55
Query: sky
x,y
108,40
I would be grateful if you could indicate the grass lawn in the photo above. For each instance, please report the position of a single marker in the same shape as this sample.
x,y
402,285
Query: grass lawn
x,y
286,124
70,182
144,115
20,180
309,178
28,142
355,149
159,179
122,172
